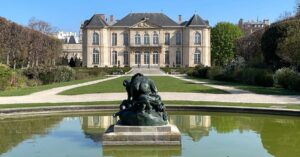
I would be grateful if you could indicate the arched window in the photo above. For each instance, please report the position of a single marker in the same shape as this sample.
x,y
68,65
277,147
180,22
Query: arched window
x,y
146,39
146,57
178,38
198,38
96,56
155,57
125,58
137,39
114,39
114,58
197,57
155,38
95,38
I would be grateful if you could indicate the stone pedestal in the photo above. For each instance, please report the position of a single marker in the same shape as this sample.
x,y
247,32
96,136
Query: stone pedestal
x,y
118,135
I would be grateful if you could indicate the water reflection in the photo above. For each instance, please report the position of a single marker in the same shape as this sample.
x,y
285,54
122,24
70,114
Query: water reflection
x,y
13,132
204,134
94,126
195,126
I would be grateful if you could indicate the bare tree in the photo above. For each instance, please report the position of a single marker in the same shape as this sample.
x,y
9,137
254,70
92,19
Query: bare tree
x,y
40,25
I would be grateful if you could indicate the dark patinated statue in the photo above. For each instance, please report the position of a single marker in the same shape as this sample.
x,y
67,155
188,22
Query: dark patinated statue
x,y
143,106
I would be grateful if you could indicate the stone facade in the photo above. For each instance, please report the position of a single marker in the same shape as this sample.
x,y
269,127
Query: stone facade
x,y
145,39
72,51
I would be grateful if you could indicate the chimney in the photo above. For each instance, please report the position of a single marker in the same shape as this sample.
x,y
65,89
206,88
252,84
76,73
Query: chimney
x,y
179,19
111,18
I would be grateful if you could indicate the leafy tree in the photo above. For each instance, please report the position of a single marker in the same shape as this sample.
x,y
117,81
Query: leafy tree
x,y
223,39
280,43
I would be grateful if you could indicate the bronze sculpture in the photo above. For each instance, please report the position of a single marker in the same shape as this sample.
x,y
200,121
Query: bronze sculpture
x,y
143,106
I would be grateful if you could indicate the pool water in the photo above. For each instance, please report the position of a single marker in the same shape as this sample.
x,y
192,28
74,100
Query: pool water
x,y
204,134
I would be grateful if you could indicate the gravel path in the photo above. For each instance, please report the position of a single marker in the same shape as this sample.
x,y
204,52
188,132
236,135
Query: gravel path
x,y
237,96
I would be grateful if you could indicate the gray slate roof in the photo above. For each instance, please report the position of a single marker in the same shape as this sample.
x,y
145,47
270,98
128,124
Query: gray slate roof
x,y
196,20
158,19
95,22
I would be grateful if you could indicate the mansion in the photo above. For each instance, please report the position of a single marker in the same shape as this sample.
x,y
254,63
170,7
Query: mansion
x,y
145,39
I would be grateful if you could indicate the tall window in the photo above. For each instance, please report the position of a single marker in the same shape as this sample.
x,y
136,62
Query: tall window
x,y
146,57
167,57
96,56
178,38
125,38
114,39
178,57
114,58
146,39
137,56
198,38
126,58
155,57
95,38
197,57
167,38
137,39
155,38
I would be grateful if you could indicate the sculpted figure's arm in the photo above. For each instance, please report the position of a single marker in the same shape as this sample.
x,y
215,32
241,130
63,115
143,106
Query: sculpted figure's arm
x,y
153,87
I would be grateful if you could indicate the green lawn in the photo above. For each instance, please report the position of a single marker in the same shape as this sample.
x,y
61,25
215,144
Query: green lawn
x,y
252,88
163,83
182,103
30,90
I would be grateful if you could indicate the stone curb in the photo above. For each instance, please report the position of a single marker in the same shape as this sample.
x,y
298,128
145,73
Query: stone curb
x,y
89,108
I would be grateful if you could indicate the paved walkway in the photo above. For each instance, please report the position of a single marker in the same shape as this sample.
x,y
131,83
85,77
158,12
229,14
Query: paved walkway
x,y
238,96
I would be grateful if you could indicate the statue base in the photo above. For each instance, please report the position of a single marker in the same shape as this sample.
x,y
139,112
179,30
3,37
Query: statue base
x,y
119,135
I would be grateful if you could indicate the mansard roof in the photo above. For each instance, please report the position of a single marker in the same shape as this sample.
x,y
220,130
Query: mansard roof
x,y
158,19
96,21
196,20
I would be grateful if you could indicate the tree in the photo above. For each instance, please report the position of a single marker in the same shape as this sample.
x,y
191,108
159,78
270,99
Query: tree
x,y
223,39
249,47
298,7
280,43
40,26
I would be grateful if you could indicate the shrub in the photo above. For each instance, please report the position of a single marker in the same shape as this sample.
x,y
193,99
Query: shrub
x,y
201,72
264,78
5,75
284,77
215,73
50,74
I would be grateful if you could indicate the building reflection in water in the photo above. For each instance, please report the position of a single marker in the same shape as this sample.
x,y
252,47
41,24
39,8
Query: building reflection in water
x,y
195,126
95,126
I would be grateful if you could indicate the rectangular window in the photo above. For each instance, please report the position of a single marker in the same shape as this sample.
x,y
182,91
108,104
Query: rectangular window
x,y
114,39
137,58
178,57
146,58
114,57
167,57
167,38
125,36
126,58
178,38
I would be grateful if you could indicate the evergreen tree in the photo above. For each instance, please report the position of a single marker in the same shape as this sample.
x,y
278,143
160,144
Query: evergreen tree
x,y
72,62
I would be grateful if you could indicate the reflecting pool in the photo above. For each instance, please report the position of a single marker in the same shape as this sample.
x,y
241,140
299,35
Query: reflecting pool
x,y
204,134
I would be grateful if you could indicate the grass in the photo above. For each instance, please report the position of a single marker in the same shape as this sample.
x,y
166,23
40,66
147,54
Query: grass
x,y
252,88
163,83
199,103
30,90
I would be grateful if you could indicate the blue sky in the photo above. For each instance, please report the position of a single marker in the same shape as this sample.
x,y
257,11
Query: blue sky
x,y
68,14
